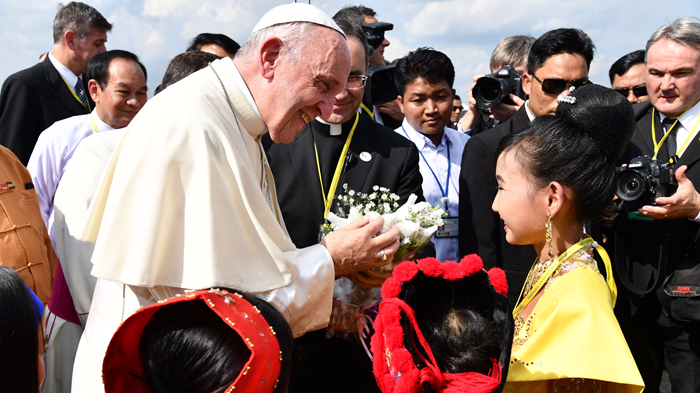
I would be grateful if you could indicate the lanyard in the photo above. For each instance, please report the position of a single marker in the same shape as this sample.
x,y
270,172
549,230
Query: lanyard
x,y
554,266
657,146
94,126
76,96
364,107
328,200
446,191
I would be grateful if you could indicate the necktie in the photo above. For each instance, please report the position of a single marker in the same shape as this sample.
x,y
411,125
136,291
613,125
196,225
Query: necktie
x,y
80,92
671,145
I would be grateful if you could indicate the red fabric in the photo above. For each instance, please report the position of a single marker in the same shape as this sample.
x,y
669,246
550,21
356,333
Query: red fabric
x,y
122,370
498,280
61,302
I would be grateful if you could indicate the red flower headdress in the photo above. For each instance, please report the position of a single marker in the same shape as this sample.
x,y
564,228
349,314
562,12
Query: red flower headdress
x,y
122,370
393,364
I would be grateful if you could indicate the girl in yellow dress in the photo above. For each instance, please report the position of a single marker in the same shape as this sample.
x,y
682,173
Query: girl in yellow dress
x,y
554,176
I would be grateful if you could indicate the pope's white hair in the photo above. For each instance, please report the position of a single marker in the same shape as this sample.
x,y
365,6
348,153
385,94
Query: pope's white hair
x,y
295,38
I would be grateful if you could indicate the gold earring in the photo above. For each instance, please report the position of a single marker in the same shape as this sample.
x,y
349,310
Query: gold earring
x,y
548,235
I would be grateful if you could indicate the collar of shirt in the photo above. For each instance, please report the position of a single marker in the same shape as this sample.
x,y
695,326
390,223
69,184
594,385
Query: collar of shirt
x,y
421,140
232,71
66,73
335,129
101,126
685,125
527,110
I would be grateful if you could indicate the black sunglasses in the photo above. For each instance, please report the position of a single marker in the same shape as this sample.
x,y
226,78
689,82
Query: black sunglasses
x,y
556,86
639,91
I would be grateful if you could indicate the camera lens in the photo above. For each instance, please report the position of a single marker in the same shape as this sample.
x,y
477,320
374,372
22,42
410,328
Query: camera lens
x,y
630,185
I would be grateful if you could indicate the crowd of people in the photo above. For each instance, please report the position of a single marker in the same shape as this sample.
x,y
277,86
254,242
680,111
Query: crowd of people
x,y
176,244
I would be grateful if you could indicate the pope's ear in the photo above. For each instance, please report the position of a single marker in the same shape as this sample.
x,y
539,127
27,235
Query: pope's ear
x,y
269,56
93,87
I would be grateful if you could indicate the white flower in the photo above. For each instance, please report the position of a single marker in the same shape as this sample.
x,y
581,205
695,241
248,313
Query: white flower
x,y
375,188
351,192
384,197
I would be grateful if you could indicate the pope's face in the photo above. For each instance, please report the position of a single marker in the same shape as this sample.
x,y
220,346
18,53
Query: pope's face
x,y
346,104
673,76
304,89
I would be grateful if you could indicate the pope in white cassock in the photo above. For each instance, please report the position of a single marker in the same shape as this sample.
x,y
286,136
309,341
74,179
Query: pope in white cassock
x,y
188,201
117,84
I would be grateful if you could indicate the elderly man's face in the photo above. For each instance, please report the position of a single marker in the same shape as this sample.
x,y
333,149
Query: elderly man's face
x,y
673,76
346,104
305,90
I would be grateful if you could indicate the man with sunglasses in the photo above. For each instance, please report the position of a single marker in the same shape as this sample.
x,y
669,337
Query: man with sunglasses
x,y
558,60
658,335
304,171
628,76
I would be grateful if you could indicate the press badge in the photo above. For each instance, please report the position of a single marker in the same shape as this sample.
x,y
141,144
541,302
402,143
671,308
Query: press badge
x,y
450,229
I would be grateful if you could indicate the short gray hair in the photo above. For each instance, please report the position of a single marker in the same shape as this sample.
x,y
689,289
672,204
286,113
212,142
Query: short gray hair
x,y
685,31
79,18
291,34
511,50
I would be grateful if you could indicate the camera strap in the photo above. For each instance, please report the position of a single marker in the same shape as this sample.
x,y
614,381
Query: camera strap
x,y
657,146
623,274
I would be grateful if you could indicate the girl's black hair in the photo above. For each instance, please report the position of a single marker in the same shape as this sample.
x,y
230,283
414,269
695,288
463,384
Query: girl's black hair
x,y
19,338
187,348
577,147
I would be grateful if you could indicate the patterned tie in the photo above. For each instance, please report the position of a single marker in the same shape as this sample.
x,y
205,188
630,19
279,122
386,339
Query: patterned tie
x,y
80,92
671,145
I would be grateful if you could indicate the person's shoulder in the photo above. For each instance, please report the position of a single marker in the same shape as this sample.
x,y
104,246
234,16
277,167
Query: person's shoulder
x,y
28,76
386,135
454,135
641,110
65,129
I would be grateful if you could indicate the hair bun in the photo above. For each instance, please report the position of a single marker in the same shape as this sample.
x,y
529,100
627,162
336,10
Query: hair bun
x,y
604,115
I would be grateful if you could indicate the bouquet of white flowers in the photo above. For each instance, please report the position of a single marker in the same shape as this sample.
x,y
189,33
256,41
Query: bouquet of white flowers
x,y
354,304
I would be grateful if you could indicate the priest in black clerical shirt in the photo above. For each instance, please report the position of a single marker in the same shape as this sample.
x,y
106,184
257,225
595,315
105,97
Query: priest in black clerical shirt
x,y
375,156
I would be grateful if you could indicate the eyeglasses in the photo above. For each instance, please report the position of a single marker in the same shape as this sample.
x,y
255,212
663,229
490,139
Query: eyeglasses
x,y
457,108
356,82
639,91
556,86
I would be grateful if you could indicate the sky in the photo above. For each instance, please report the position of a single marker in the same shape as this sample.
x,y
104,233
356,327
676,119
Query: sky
x,y
466,30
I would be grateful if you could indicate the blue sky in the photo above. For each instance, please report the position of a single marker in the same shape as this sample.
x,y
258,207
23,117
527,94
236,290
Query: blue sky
x,y
466,30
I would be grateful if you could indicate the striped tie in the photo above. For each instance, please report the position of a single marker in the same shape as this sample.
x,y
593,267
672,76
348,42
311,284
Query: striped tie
x,y
80,92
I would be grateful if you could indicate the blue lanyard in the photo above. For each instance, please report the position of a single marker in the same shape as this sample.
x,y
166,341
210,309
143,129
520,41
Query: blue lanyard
x,y
446,191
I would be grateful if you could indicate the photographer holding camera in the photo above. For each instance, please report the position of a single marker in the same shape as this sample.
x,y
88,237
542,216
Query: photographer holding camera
x,y
558,60
510,51
657,257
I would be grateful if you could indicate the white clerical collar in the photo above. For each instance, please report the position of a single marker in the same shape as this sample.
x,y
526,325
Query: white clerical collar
x,y
336,129
689,118
101,125
527,110
418,138
232,71
65,72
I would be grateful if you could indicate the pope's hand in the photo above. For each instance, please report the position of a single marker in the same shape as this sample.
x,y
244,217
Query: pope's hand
x,y
685,203
358,246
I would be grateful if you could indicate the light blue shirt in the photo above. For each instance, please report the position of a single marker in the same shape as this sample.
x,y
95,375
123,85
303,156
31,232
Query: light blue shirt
x,y
435,158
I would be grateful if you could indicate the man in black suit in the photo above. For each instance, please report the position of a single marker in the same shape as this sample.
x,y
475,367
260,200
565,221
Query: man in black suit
x,y
33,99
656,336
376,156
558,60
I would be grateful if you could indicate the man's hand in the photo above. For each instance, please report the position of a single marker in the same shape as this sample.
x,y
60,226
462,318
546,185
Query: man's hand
x,y
503,112
359,245
685,203
391,109
469,118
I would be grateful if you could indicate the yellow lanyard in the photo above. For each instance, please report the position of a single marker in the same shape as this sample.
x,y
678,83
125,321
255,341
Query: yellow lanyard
x,y
76,96
369,112
657,146
554,266
328,200
94,126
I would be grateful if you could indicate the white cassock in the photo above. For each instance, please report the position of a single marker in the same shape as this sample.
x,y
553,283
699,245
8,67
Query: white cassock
x,y
75,191
54,148
187,202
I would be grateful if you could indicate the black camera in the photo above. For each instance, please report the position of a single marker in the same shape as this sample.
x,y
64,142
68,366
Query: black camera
x,y
495,88
375,33
380,85
641,182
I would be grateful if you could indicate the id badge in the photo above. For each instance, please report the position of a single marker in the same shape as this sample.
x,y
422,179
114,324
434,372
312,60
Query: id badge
x,y
450,229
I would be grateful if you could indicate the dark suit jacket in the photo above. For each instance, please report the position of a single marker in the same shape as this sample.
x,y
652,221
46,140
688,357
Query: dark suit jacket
x,y
480,229
393,164
32,100
640,240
